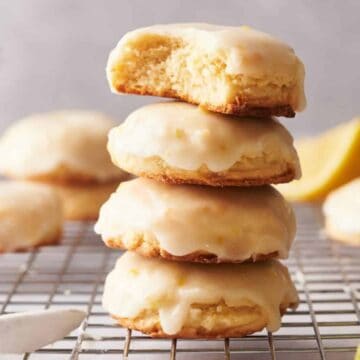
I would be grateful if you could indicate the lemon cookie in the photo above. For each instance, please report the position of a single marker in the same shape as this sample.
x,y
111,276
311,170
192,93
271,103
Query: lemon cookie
x,y
171,299
181,143
30,215
197,223
235,70
342,213
63,146
83,201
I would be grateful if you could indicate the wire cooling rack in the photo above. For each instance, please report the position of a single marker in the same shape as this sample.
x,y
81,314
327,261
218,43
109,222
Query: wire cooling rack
x,y
325,326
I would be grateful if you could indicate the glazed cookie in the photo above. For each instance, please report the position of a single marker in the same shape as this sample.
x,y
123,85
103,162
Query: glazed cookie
x,y
83,202
197,223
30,215
181,143
63,146
234,70
342,213
171,299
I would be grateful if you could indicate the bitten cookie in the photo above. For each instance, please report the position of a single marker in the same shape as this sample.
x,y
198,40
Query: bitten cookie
x,y
30,215
342,213
197,223
171,299
181,143
60,147
234,70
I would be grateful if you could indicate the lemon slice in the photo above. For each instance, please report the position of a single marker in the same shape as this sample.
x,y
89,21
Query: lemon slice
x,y
327,161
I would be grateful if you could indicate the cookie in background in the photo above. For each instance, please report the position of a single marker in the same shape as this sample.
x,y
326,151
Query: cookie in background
x,y
67,150
342,213
30,215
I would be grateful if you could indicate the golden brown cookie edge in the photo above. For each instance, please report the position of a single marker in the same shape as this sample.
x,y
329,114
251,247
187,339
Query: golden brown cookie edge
x,y
153,250
241,107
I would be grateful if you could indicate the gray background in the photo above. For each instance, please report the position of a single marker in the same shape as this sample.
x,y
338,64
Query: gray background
x,y
53,52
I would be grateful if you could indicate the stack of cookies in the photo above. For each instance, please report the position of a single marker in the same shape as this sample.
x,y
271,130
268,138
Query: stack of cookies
x,y
203,227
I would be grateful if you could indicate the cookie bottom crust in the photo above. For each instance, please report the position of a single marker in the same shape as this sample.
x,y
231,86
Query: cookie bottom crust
x,y
149,247
241,106
157,169
65,175
205,321
52,239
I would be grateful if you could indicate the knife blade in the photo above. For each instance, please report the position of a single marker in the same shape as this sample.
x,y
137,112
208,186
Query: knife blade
x,y
30,331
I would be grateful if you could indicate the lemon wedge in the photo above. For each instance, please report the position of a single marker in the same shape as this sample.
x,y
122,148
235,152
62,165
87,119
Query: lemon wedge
x,y
327,161
357,355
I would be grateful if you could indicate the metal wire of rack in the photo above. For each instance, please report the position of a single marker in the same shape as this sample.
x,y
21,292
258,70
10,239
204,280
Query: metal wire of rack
x,y
325,326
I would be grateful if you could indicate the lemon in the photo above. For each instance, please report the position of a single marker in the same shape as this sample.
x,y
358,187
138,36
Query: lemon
x,y
327,161
357,355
